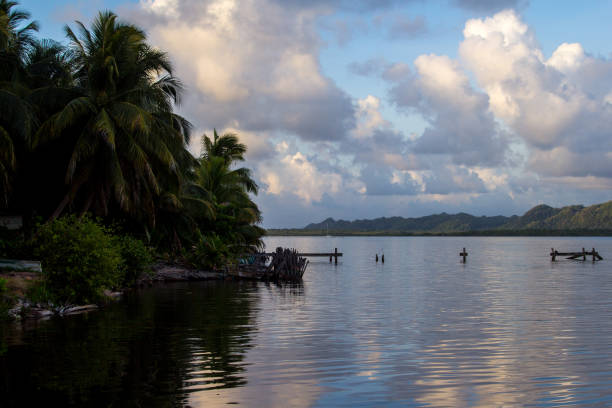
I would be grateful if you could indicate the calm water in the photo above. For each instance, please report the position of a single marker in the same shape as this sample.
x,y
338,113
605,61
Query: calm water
x,y
509,328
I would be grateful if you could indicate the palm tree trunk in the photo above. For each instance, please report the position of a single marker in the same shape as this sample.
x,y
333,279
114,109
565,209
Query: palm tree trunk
x,y
69,196
87,205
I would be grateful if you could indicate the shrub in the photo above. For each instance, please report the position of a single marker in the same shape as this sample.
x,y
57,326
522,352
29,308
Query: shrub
x,y
39,293
210,252
137,259
80,258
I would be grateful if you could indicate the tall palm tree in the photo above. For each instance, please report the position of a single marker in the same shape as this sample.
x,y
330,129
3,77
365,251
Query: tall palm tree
x,y
16,115
47,86
126,142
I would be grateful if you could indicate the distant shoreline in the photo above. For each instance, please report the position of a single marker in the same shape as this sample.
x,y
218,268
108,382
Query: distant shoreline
x,y
541,220
484,233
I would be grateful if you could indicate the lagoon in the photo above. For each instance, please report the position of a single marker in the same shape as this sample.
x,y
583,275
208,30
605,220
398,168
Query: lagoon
x,y
507,328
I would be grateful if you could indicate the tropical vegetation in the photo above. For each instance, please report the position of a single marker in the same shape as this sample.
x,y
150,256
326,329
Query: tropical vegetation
x,y
91,129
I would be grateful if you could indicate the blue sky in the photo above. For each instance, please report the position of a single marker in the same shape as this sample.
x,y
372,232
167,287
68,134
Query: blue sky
x,y
361,109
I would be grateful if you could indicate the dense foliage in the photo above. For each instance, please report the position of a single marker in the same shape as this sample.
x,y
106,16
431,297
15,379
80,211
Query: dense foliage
x,y
80,258
136,259
91,128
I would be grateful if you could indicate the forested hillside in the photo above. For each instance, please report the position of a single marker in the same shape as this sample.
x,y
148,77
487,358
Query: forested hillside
x,y
542,217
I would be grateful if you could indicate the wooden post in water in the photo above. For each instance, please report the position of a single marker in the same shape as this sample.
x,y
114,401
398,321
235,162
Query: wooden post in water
x,y
383,258
377,258
583,255
594,259
463,254
330,257
553,254
336,255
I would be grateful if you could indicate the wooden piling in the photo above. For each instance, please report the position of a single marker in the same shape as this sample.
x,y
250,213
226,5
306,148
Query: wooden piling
x,y
463,254
576,255
376,257
336,255
383,258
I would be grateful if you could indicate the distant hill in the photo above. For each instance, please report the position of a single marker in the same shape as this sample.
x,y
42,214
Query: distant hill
x,y
542,219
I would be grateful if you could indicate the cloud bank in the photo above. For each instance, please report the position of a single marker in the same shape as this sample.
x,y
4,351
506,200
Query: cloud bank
x,y
505,126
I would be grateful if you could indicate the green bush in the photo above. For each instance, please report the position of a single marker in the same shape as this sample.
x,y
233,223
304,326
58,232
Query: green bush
x,y
79,257
40,293
137,259
210,252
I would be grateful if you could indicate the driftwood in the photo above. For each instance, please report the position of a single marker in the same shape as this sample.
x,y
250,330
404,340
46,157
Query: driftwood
x,y
576,255
286,264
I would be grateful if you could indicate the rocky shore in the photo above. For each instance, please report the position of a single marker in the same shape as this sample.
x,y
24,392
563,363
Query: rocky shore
x,y
172,272
161,272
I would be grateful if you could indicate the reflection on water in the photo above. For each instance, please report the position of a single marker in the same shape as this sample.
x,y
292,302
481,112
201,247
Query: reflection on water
x,y
509,328
153,349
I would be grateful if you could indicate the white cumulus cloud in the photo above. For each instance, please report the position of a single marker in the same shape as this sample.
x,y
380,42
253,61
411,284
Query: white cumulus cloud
x,y
557,106
254,62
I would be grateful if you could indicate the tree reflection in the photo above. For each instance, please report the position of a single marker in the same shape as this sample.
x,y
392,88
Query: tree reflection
x,y
152,349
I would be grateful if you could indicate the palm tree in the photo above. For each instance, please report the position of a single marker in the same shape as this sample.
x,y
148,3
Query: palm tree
x,y
226,146
16,115
125,141
14,41
212,200
180,210
48,64
47,86
228,191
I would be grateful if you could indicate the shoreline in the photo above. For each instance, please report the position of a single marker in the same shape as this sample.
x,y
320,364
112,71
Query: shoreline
x,y
484,233
162,272
174,272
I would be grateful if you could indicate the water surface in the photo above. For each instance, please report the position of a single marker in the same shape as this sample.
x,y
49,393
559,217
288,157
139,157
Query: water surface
x,y
508,328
